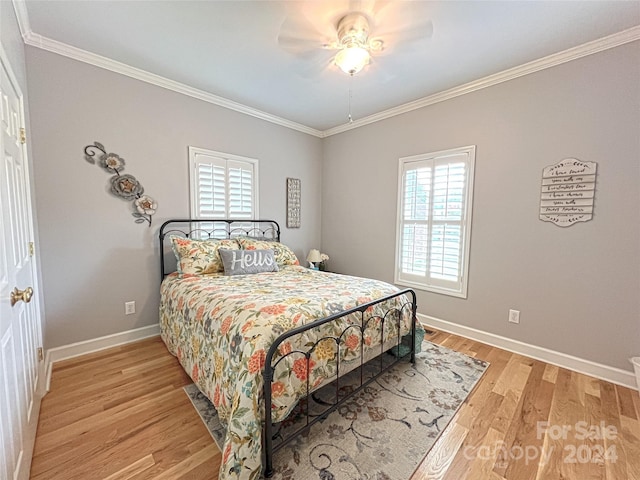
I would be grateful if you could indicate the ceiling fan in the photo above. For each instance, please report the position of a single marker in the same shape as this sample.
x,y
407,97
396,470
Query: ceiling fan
x,y
354,45
353,37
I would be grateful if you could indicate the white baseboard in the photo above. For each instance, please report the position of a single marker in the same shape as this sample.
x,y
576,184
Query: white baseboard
x,y
580,365
587,367
89,346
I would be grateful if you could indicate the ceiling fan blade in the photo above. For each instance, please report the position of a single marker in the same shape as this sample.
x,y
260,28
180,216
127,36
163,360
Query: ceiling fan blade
x,y
311,25
298,35
314,70
299,45
402,23
403,40
312,67
309,35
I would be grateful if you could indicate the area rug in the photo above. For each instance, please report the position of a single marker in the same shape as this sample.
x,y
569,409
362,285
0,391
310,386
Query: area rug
x,y
384,432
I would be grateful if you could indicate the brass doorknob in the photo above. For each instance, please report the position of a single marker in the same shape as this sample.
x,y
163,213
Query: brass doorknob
x,y
24,295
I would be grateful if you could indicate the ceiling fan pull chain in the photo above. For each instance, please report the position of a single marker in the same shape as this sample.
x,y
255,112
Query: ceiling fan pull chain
x,y
350,85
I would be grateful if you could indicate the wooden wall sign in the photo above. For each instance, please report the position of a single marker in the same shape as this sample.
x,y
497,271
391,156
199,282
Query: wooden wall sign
x,y
568,191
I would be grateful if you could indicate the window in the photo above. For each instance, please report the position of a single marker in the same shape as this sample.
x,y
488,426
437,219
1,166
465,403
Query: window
x,y
222,185
435,194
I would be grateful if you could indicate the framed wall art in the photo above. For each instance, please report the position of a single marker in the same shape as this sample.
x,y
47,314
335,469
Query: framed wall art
x,y
293,202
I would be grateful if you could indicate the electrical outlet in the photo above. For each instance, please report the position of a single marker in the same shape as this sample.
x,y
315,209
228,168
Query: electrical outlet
x,y
514,316
129,308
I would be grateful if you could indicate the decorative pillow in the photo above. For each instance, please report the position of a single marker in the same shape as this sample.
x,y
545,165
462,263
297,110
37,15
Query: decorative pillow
x,y
283,254
199,257
243,262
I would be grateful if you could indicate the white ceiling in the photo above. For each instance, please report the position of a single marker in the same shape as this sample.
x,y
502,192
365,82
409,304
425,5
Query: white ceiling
x,y
231,49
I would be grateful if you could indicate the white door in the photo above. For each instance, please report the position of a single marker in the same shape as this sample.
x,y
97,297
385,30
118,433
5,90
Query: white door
x,y
20,324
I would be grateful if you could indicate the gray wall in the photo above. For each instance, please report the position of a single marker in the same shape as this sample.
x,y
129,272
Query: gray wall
x,y
578,288
94,257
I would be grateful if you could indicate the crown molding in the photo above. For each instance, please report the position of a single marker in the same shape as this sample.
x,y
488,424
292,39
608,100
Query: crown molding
x,y
595,46
75,53
20,7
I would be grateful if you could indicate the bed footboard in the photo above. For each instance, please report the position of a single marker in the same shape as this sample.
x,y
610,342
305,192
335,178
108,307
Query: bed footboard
x,y
381,364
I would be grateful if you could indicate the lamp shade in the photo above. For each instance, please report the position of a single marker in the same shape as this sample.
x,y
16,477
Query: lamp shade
x,y
352,59
314,256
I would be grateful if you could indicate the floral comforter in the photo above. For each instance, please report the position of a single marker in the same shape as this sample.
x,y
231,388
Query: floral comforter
x,y
221,327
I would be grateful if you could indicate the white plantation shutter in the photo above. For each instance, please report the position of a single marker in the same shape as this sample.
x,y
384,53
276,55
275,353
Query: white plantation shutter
x,y
222,185
434,221
210,191
240,189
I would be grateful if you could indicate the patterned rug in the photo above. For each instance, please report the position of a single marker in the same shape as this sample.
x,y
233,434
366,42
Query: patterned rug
x,y
384,432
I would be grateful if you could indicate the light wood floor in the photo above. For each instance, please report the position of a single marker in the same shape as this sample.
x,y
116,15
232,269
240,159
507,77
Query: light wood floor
x,y
121,414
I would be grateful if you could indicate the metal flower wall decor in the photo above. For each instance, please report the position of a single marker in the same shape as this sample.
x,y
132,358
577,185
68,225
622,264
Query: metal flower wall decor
x,y
124,186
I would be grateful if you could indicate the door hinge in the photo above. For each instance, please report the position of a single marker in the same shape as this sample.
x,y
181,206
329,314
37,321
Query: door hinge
x,y
40,354
31,249
23,136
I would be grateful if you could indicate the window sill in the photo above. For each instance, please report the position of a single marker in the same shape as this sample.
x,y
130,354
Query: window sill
x,y
432,289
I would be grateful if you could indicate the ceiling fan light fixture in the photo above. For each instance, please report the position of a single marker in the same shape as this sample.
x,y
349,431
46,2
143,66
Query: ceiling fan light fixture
x,y
352,59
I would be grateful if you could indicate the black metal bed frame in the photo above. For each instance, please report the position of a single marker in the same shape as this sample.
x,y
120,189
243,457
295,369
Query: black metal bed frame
x,y
230,228
215,229
338,399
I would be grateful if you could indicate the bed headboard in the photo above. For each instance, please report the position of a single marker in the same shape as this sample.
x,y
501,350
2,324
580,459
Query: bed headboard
x,y
204,229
